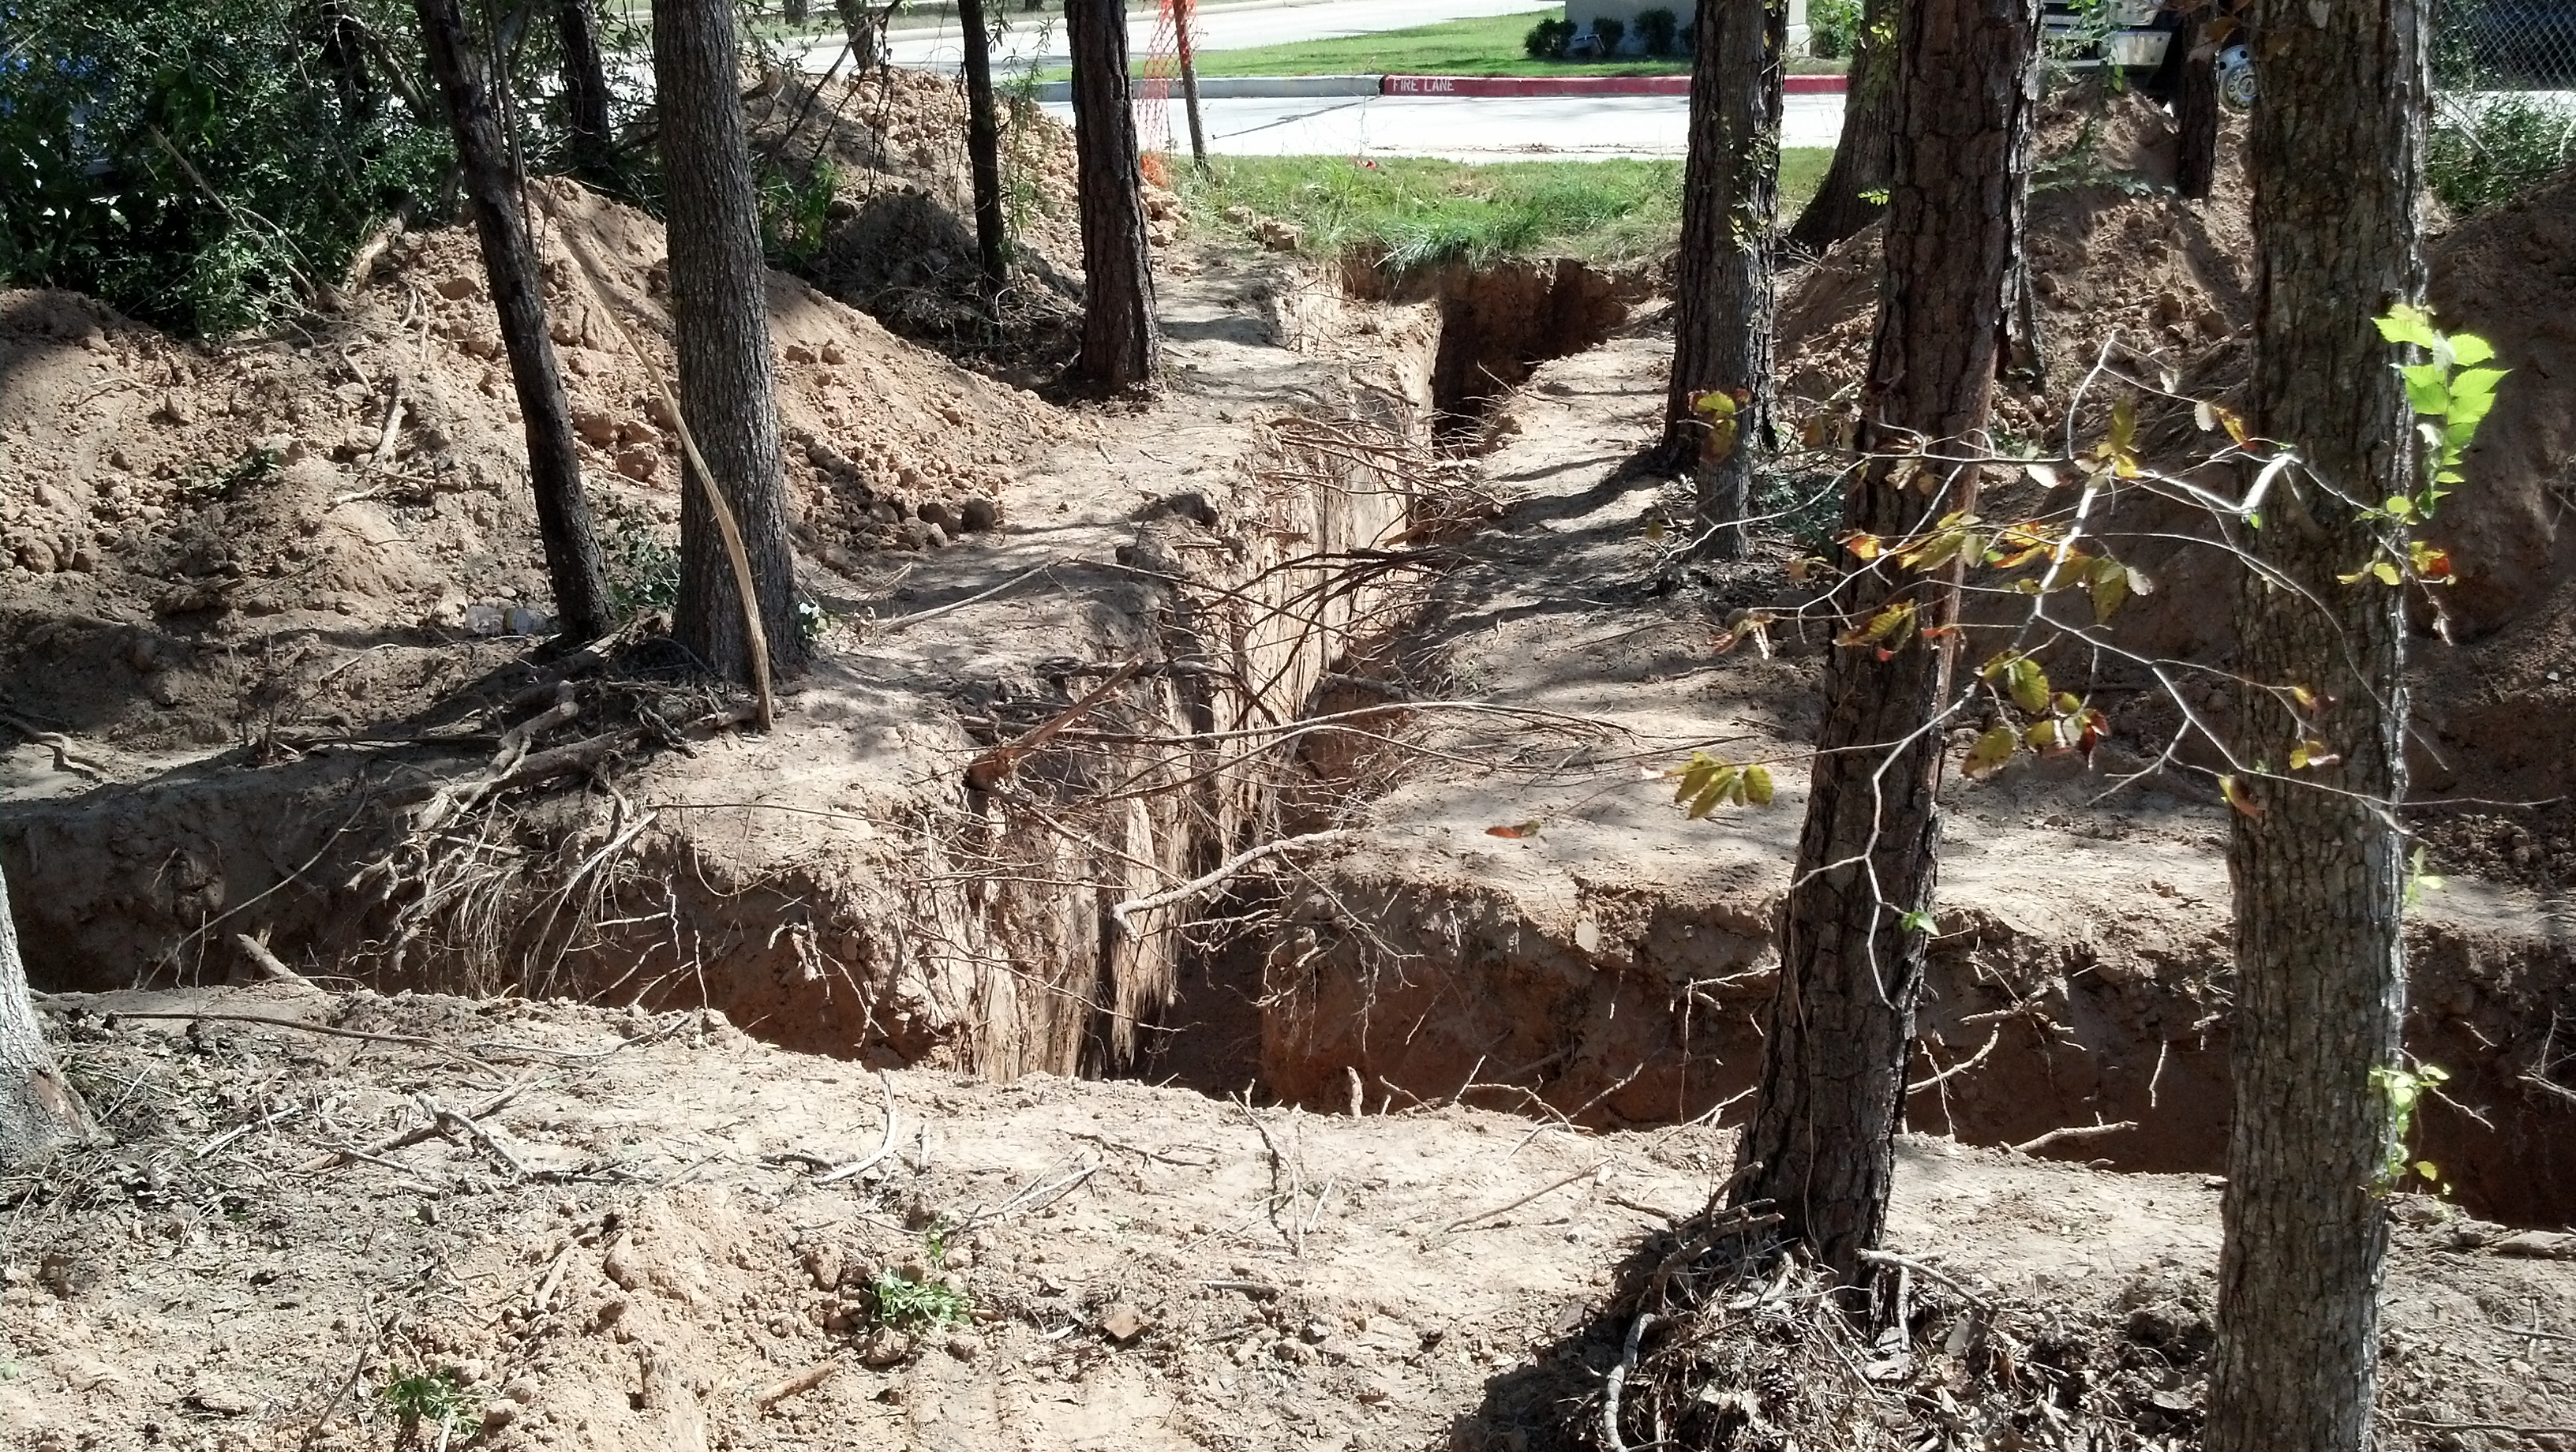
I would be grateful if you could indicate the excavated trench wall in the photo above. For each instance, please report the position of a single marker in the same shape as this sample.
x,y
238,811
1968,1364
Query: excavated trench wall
x,y
1630,1006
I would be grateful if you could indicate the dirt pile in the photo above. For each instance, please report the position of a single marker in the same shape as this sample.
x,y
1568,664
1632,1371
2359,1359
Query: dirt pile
x,y
2113,254
180,500
898,237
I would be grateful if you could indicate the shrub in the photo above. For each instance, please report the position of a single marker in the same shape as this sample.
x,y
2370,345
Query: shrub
x,y
198,163
1546,40
1832,27
1656,29
1609,31
2485,153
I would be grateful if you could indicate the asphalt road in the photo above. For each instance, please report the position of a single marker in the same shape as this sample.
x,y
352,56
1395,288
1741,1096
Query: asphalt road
x,y
1480,128
1232,28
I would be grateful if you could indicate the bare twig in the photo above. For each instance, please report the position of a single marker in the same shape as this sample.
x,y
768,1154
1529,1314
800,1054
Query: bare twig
x,y
854,1168
1123,912
2072,1131
1591,1172
994,767
409,1137
1929,1273
802,1382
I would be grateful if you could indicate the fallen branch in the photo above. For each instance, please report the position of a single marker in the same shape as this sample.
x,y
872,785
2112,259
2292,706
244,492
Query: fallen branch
x,y
754,633
409,1137
797,1385
1583,1174
270,964
56,1002
2075,1131
65,759
853,1169
1122,912
1618,1382
450,1122
2508,1428
994,767
1929,1273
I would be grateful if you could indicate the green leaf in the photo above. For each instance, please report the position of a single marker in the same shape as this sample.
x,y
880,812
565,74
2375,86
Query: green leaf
x,y
1915,923
1757,785
2468,348
2427,391
2407,323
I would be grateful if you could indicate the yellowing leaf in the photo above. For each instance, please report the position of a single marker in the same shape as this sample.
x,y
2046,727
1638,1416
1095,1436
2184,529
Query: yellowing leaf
x,y
2238,797
1757,785
1885,624
1990,753
2029,686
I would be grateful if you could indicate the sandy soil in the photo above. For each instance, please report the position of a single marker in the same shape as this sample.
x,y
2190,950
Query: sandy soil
x,y
648,1240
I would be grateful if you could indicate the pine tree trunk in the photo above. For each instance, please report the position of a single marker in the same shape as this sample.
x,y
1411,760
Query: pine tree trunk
x,y
518,295
590,135
984,149
1119,344
1865,157
1730,211
38,1108
2337,162
2196,112
1821,1145
720,331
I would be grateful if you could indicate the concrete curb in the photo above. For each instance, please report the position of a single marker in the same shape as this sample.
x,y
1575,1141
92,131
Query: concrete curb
x,y
1217,88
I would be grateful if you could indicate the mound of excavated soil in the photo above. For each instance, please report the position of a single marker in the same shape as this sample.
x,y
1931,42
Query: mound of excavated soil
x,y
644,1248
163,502
2113,253
899,238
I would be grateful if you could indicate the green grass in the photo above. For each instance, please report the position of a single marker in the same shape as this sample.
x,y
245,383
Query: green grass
x,y
1487,46
1420,211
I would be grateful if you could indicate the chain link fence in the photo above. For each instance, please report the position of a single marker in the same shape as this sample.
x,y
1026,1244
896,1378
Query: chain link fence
x,y
2505,45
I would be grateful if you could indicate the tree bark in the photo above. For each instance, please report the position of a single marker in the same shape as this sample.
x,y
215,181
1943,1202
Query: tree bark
x,y
518,296
1821,1145
984,149
38,1108
590,134
1119,344
2337,163
720,332
1865,156
1187,45
1730,211
2196,112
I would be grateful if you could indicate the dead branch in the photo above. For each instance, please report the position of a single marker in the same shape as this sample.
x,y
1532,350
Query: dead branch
x,y
726,525
1592,1172
886,1147
2073,1131
65,758
802,1382
452,1123
270,964
1929,1273
1617,1381
995,766
1121,913
409,1137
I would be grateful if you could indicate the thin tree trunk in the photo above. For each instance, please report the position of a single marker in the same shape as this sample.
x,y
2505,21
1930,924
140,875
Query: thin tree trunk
x,y
1864,158
2337,162
1119,344
518,295
344,56
590,134
1182,20
1730,211
984,149
1821,1145
720,331
2196,112
38,1108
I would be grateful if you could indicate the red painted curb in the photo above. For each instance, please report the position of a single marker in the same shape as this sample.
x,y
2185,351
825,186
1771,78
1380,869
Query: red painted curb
x,y
1581,85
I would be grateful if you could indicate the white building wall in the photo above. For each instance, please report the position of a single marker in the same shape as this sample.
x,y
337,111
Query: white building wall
x,y
1584,12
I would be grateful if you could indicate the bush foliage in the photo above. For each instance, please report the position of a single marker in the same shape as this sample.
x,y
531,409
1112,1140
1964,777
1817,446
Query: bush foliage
x,y
2487,151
